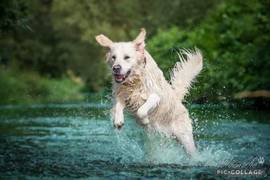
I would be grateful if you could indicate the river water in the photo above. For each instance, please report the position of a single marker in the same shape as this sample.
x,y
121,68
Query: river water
x,y
78,141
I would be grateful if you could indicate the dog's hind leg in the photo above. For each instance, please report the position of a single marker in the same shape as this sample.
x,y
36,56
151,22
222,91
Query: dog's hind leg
x,y
183,134
187,140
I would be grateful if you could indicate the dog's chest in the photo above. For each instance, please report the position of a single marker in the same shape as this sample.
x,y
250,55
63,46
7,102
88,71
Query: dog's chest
x,y
134,95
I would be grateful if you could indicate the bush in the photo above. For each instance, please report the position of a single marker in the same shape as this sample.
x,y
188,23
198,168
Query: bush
x,y
18,87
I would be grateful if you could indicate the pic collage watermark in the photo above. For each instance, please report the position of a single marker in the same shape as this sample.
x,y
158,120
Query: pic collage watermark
x,y
252,167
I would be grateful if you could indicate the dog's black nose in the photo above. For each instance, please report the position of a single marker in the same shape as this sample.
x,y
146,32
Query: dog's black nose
x,y
116,68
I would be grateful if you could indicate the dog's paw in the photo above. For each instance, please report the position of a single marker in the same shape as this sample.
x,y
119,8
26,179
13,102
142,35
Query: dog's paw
x,y
145,121
118,125
142,113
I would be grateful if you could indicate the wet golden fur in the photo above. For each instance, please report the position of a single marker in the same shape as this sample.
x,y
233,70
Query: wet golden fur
x,y
165,112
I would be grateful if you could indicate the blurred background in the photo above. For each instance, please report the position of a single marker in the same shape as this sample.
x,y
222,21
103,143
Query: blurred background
x,y
55,88
48,52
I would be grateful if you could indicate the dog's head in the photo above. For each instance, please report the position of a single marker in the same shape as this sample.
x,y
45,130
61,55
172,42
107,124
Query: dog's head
x,y
124,57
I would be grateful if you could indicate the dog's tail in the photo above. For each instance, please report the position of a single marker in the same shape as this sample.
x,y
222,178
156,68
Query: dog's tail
x,y
185,71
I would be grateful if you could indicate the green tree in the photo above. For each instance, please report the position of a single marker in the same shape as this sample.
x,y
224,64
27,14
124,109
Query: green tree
x,y
80,21
234,39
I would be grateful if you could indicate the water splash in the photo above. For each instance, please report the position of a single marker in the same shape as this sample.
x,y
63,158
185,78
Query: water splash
x,y
157,149
130,150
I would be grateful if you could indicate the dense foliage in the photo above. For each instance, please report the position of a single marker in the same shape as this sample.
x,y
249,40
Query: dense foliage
x,y
234,39
49,38
29,87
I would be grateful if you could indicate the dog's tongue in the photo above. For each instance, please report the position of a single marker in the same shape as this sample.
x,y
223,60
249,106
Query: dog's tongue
x,y
119,77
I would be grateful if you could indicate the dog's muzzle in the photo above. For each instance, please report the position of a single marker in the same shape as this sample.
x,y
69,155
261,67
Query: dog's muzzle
x,y
120,77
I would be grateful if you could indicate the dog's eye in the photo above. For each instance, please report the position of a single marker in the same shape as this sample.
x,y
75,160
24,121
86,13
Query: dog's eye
x,y
113,57
126,57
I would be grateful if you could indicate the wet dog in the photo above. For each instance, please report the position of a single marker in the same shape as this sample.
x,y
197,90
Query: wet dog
x,y
140,87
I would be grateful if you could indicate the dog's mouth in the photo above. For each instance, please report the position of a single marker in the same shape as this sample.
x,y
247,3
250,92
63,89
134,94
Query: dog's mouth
x,y
120,77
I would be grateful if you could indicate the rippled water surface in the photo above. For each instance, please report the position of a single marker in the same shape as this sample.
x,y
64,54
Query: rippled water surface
x,y
78,140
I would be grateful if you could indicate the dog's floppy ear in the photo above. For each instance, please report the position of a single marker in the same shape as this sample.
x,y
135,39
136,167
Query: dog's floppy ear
x,y
139,41
104,41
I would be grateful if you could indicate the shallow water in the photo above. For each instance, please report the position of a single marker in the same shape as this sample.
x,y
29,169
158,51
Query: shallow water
x,y
78,140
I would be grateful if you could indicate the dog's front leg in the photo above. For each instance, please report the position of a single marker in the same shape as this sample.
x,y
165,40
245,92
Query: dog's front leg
x,y
118,114
150,104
